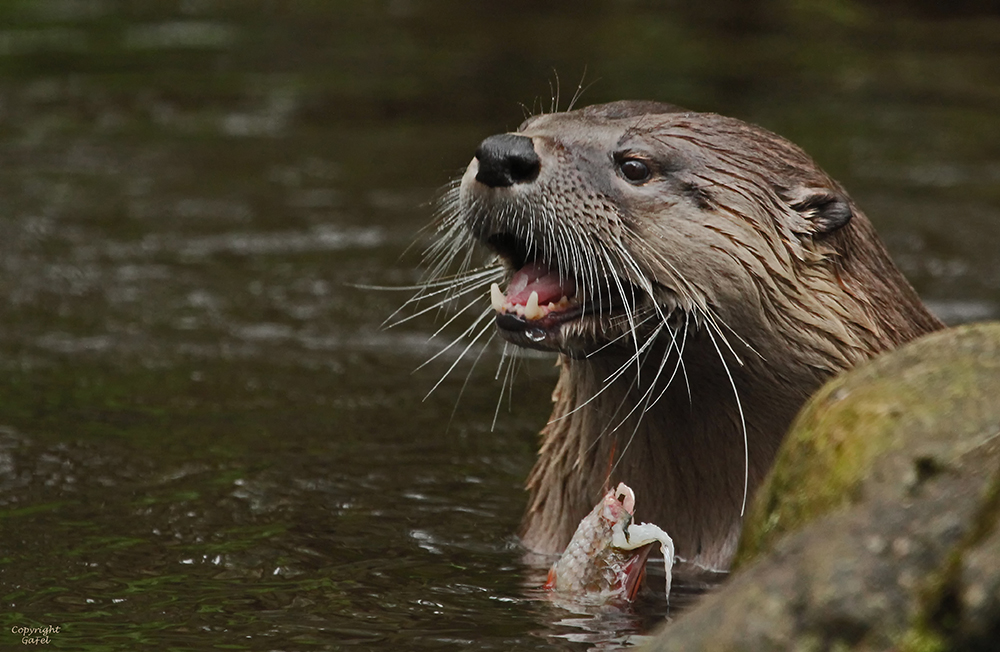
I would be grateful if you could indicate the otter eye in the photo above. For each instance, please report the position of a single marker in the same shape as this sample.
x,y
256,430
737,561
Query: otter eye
x,y
634,170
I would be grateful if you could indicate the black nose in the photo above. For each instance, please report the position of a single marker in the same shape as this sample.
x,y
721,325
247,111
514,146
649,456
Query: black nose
x,y
506,159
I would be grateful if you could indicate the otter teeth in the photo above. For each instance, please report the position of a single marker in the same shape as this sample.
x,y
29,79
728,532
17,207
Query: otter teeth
x,y
531,311
497,298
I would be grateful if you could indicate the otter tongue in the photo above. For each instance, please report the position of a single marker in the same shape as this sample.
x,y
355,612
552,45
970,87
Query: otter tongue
x,y
539,277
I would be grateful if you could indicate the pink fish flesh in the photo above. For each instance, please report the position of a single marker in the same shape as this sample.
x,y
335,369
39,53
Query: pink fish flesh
x,y
606,558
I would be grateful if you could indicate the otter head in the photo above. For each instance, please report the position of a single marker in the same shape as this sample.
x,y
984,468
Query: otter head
x,y
616,219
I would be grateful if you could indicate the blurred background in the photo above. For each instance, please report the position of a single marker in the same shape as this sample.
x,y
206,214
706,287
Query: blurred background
x,y
206,439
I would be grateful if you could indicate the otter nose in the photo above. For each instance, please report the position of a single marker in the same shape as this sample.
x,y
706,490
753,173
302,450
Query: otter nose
x,y
506,159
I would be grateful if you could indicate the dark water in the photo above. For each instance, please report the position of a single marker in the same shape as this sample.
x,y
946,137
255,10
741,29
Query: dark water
x,y
207,442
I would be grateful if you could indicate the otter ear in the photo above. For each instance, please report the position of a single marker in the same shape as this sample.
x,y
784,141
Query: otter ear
x,y
823,210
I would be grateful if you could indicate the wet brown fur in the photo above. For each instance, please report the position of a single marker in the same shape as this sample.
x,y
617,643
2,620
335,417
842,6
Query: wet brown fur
x,y
737,240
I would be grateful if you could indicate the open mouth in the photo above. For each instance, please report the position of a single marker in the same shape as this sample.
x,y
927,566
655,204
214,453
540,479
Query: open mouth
x,y
537,296
542,296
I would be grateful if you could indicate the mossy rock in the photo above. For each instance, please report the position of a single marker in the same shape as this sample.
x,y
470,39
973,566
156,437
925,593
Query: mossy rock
x,y
877,529
935,399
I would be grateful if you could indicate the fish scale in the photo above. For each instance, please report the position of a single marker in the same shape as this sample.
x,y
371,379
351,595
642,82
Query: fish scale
x,y
606,558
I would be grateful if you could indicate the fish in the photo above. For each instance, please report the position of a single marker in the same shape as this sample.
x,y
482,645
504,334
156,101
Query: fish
x,y
606,559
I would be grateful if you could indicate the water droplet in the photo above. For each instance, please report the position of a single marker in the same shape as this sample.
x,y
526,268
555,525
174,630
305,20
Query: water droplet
x,y
535,334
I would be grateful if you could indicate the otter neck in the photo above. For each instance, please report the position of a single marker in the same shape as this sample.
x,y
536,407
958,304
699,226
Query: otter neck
x,y
687,470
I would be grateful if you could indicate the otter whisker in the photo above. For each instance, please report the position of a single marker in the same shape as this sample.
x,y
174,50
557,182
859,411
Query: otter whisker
x,y
743,423
741,339
448,230
457,314
713,320
449,211
580,89
598,260
708,314
588,264
642,282
451,243
680,284
440,305
468,376
484,315
554,95
448,246
503,357
617,339
507,383
628,312
644,403
438,285
637,275
607,382
462,354
466,262
452,288
646,344
608,428
638,359
677,365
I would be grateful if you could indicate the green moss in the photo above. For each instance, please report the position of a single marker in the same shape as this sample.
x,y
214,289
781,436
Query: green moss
x,y
939,614
922,640
907,398
821,465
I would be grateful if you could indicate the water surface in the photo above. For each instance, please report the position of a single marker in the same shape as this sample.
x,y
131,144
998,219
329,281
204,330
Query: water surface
x,y
206,439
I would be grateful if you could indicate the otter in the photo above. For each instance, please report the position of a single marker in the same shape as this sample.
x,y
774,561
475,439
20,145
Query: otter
x,y
698,276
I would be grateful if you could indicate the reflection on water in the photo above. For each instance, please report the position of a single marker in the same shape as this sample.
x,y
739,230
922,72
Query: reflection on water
x,y
205,438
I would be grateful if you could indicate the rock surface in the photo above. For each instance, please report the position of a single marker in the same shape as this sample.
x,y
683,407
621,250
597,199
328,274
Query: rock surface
x,y
877,529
